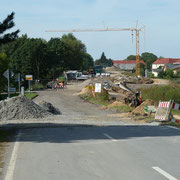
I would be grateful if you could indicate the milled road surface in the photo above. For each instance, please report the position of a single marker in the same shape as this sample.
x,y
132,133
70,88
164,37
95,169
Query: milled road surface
x,y
118,150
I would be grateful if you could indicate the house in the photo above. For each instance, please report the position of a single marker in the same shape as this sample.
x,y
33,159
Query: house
x,y
174,67
127,65
164,64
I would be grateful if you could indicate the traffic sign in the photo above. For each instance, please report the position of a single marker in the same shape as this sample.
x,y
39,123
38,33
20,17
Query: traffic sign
x,y
13,90
8,73
97,87
29,77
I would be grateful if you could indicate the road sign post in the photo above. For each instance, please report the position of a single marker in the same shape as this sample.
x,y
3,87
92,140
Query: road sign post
x,y
29,78
8,84
8,74
19,82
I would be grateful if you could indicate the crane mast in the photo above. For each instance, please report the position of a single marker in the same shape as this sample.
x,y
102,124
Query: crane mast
x,y
137,30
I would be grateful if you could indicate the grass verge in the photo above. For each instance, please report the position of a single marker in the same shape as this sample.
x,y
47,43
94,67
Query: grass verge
x,y
28,95
31,95
175,112
100,100
124,108
104,101
161,93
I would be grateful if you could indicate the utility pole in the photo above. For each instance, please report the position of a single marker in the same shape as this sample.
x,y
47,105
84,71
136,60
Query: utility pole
x,y
137,30
8,83
19,82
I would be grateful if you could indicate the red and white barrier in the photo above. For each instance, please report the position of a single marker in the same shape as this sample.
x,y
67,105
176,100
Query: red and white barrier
x,y
163,112
164,104
160,117
176,106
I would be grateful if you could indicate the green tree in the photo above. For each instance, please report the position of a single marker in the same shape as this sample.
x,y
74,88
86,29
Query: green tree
x,y
87,61
7,24
73,51
47,59
103,61
4,66
55,60
133,57
28,56
162,74
161,57
149,58
169,74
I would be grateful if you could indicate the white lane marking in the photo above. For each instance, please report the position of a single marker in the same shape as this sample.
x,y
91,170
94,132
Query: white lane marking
x,y
12,163
109,137
164,173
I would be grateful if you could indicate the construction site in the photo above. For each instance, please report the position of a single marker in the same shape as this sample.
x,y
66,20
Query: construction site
x,y
83,101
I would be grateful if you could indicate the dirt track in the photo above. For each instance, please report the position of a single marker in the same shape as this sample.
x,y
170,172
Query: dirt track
x,y
74,108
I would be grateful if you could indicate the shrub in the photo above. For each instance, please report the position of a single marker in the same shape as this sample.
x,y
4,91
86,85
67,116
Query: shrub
x,y
37,86
163,93
169,73
151,75
162,74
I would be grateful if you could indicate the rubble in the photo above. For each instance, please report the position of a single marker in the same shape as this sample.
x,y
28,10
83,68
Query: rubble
x,y
139,110
20,107
49,107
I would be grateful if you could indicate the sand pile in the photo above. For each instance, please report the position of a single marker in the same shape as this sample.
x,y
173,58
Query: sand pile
x,y
140,109
116,103
21,108
84,91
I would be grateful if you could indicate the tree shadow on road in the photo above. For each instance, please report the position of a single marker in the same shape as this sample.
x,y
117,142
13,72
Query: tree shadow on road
x,y
66,133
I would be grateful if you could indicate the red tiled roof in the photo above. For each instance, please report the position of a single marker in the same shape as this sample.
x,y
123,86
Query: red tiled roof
x,y
167,61
126,62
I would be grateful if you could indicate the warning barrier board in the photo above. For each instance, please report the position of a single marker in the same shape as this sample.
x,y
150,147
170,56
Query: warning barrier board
x,y
163,110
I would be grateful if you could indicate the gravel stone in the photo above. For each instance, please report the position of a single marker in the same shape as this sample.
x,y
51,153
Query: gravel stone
x,y
21,108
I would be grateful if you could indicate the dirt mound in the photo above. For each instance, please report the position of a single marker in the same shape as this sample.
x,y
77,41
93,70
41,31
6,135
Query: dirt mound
x,y
21,108
84,84
84,91
116,103
140,109
112,68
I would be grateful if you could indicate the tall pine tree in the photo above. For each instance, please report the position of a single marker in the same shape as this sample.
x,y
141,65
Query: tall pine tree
x,y
7,24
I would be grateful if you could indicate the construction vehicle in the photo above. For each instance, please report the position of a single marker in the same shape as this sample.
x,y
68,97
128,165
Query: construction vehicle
x,y
98,69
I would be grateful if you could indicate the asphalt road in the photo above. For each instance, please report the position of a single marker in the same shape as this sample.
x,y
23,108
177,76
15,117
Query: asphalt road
x,y
93,152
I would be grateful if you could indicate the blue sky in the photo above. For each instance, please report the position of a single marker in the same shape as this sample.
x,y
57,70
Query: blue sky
x,y
161,18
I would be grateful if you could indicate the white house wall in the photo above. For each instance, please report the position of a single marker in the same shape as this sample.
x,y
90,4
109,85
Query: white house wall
x,y
155,74
156,66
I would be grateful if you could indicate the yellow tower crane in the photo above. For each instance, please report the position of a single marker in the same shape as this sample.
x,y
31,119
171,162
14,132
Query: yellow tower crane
x,y
136,30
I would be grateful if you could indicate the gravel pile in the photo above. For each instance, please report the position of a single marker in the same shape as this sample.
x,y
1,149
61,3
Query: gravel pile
x,y
21,108
49,107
